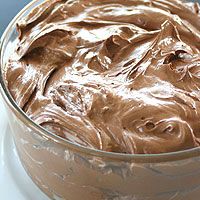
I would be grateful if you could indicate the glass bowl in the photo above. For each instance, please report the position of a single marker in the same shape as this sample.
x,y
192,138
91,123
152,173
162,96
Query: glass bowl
x,y
71,172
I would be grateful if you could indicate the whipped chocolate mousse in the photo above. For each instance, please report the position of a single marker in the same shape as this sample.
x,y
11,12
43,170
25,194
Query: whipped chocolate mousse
x,y
114,75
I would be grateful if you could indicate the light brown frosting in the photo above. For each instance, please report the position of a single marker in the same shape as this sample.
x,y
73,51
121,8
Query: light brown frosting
x,y
114,75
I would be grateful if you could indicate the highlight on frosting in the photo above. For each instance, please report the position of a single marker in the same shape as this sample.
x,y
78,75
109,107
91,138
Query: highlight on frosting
x,y
115,75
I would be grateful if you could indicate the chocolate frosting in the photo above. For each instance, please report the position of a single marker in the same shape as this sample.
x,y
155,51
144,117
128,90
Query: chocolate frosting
x,y
114,75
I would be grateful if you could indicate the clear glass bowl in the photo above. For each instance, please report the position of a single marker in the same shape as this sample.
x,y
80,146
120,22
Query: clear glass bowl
x,y
68,171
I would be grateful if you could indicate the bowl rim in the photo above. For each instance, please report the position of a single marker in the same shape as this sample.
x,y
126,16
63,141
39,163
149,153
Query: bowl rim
x,y
140,158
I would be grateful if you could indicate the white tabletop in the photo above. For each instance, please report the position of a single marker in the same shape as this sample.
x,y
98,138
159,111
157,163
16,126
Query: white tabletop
x,y
14,182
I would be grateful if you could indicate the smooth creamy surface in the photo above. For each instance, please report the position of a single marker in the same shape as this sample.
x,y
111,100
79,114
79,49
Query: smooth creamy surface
x,y
114,75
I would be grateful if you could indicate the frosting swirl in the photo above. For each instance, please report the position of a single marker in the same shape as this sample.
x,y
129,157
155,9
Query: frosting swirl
x,y
120,76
